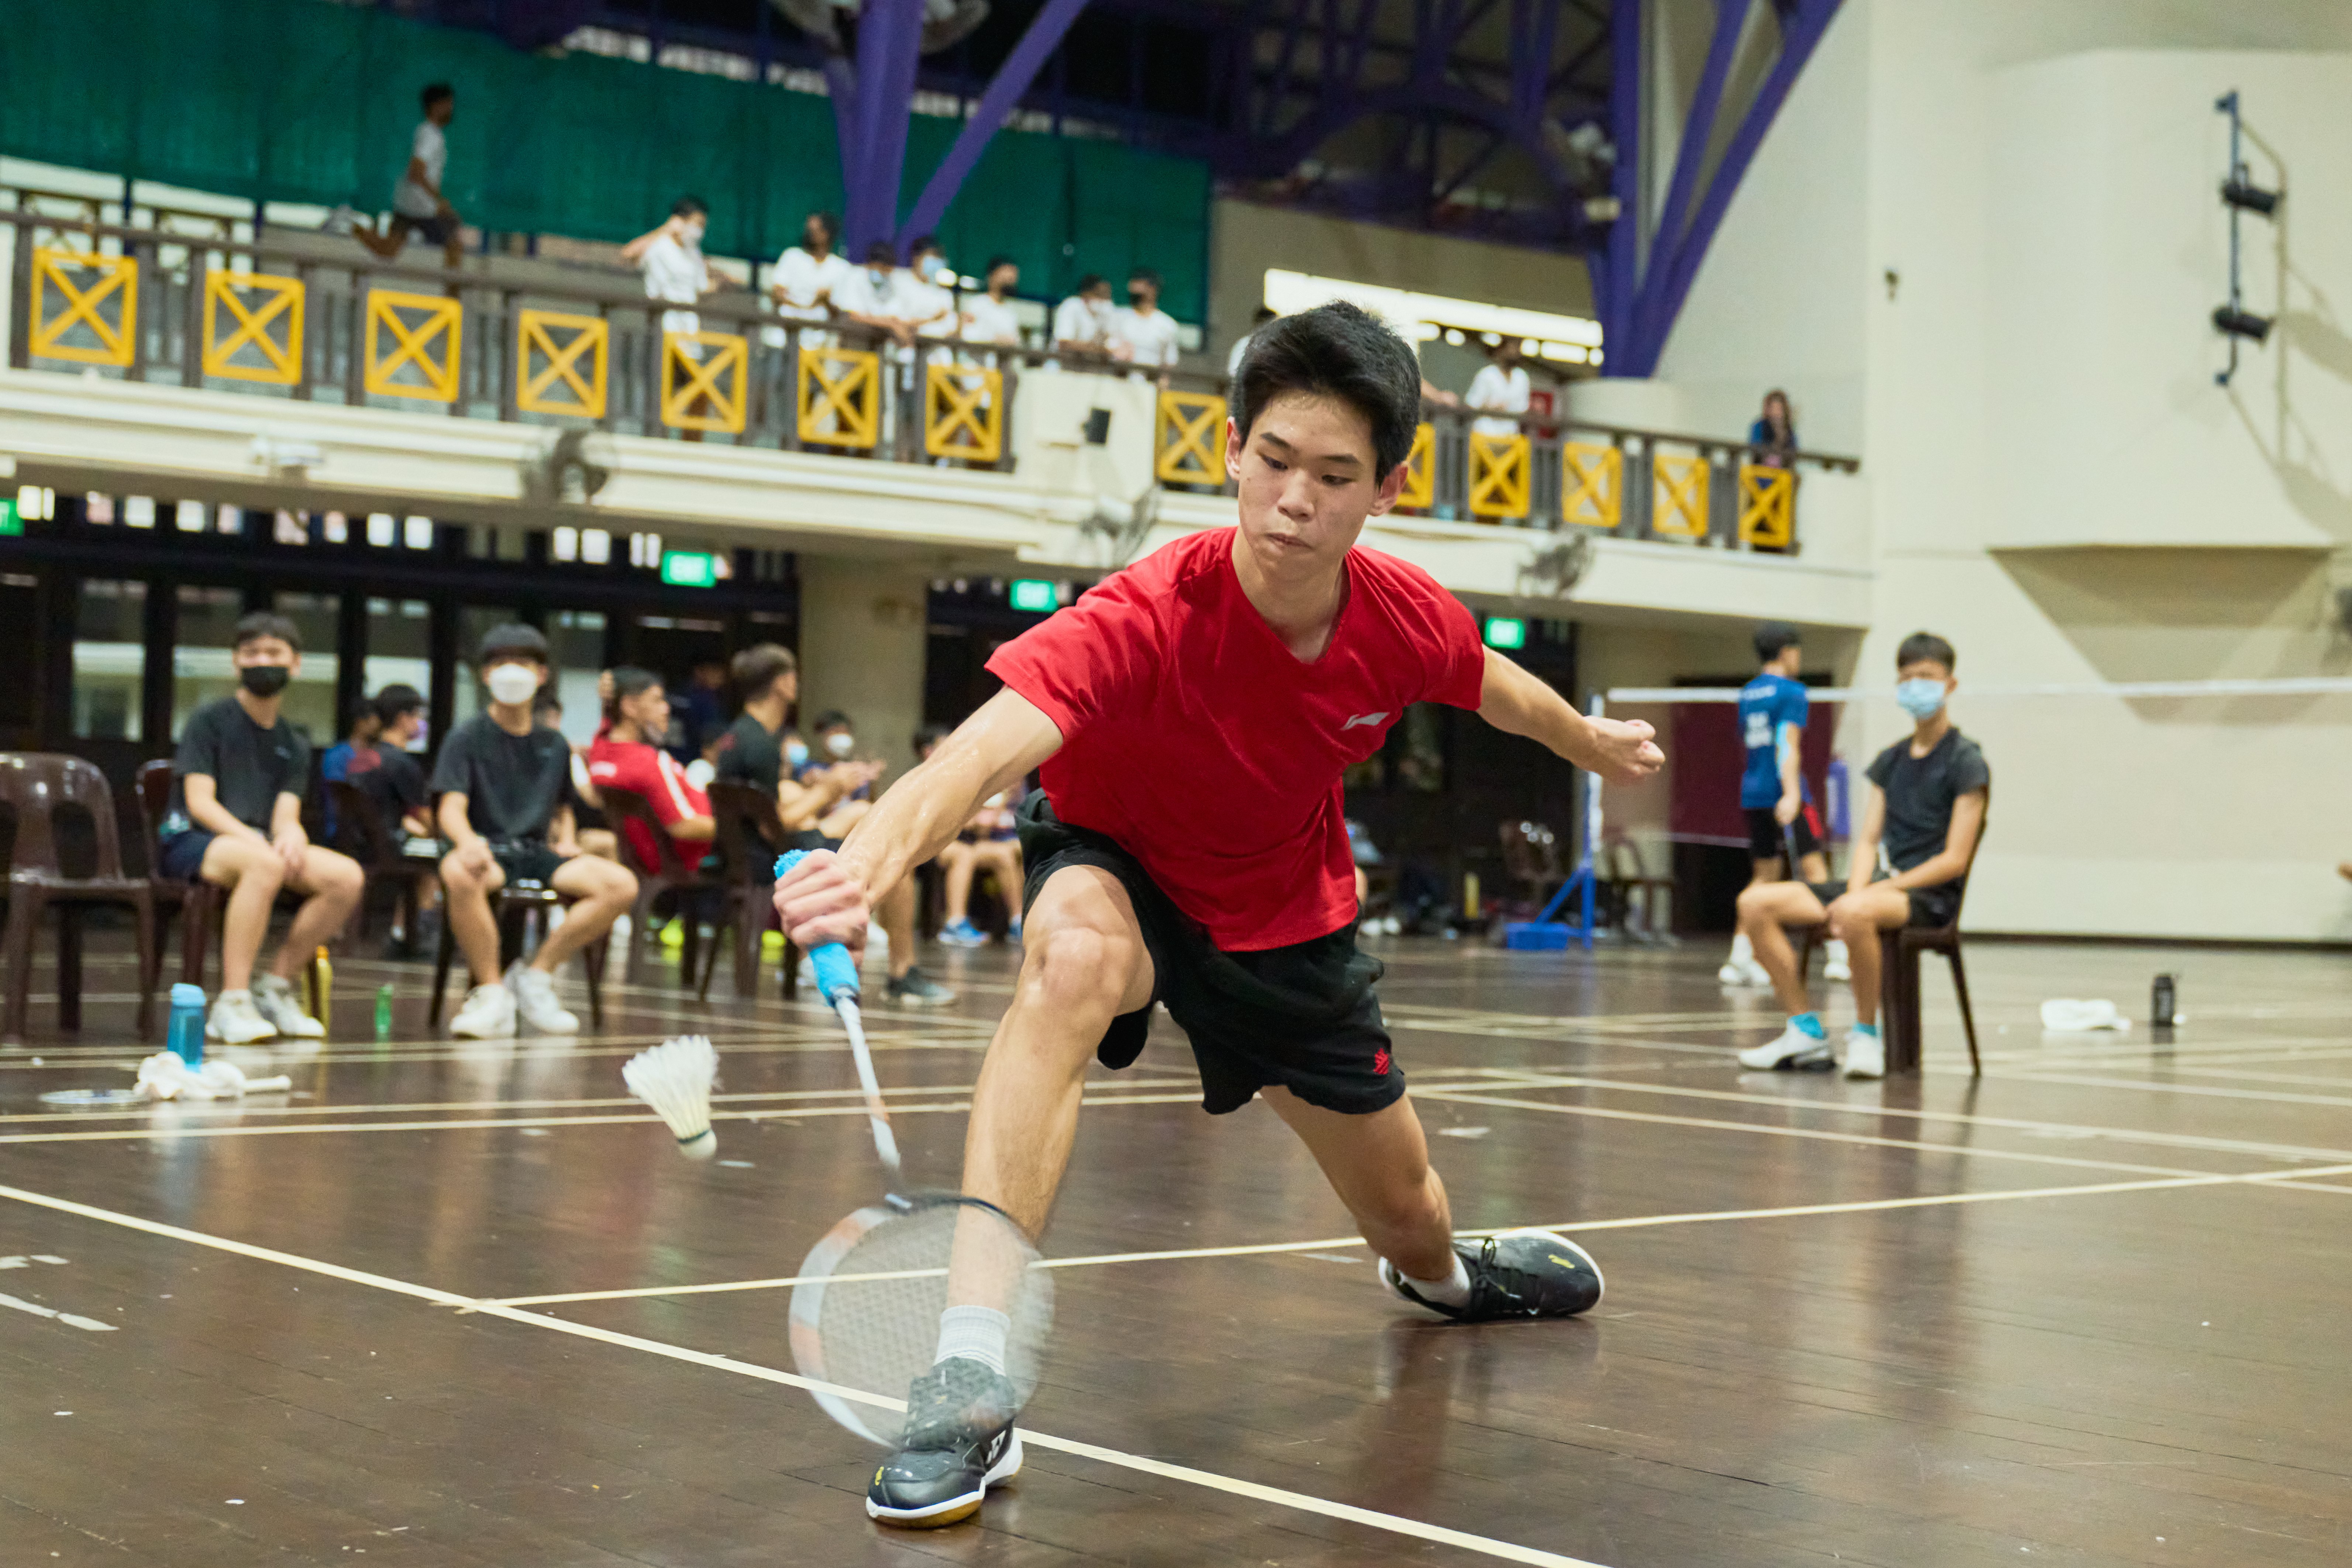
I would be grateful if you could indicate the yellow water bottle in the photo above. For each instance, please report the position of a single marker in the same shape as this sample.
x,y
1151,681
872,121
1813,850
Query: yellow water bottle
x,y
319,987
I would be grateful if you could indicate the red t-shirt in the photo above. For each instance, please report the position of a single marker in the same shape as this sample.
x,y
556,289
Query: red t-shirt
x,y
656,774
1195,738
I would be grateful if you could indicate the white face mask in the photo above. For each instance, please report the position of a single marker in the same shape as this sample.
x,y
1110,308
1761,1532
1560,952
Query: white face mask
x,y
840,742
512,684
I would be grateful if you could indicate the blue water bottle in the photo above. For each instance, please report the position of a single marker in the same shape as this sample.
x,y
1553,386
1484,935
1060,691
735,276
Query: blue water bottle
x,y
185,1033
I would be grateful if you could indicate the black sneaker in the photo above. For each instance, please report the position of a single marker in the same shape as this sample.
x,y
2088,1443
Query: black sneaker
x,y
960,1441
916,989
1530,1274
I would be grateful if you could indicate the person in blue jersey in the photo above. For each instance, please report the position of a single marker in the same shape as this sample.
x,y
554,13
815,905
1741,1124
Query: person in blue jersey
x,y
1772,793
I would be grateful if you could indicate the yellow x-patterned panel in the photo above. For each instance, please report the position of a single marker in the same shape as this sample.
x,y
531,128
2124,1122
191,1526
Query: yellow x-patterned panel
x,y
1768,511
1187,438
1678,509
964,413
717,372
1591,483
840,398
277,306
1498,476
552,379
429,346
1420,491
115,277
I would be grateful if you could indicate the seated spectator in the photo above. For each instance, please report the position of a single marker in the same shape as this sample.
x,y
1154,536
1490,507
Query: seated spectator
x,y
701,711
417,204
909,985
988,843
1082,321
1142,333
505,783
1501,389
836,759
867,296
1774,433
806,276
1927,798
627,755
237,823
988,318
376,760
759,750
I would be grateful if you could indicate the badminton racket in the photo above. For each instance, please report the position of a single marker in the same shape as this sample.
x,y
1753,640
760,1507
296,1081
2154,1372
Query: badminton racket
x,y
866,1315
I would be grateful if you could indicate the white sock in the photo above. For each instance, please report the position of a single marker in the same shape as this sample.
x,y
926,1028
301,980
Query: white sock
x,y
1742,949
1837,950
1451,1291
976,1334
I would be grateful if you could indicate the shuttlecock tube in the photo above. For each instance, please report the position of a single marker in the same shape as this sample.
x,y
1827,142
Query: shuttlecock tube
x,y
675,1078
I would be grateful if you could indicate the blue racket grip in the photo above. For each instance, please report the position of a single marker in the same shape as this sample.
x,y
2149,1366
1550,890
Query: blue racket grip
x,y
836,972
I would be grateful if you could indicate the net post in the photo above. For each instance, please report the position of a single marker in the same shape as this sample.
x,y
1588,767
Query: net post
x,y
1598,708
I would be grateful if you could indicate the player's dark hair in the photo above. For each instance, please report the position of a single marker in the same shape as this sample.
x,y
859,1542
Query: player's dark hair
x,y
265,623
760,667
1340,351
513,640
628,680
395,701
1921,646
438,92
828,719
689,206
1775,637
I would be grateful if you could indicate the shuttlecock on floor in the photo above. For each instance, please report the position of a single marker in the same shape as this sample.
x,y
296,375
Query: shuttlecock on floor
x,y
675,1079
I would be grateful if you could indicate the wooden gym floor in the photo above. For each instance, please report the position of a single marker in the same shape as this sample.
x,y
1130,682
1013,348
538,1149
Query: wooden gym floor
x,y
462,1304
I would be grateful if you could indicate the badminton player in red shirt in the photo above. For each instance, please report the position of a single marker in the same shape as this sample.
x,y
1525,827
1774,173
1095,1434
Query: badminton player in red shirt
x,y
1193,715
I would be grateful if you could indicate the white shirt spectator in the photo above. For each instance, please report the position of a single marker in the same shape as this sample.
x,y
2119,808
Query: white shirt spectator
x,y
1151,340
807,283
430,148
931,307
676,274
1495,390
1081,323
1234,358
987,320
860,293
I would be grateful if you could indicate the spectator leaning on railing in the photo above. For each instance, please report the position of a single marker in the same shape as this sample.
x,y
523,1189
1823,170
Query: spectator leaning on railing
x,y
805,276
917,296
1082,321
1774,433
1141,333
1500,389
988,318
676,274
867,296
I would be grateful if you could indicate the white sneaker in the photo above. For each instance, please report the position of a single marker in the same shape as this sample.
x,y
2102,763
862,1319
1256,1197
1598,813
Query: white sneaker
x,y
1794,1050
273,999
1744,971
1865,1055
534,996
489,1014
1731,974
235,1021
1834,966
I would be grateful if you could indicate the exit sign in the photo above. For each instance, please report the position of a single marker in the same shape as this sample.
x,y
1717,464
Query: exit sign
x,y
11,523
688,569
1034,594
1505,632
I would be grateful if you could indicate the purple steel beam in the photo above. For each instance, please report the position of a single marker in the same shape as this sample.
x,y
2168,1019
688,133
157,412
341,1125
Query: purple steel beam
x,y
1699,126
1617,271
1012,80
1669,283
889,44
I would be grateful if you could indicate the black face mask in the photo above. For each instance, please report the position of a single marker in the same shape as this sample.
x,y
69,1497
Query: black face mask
x,y
264,679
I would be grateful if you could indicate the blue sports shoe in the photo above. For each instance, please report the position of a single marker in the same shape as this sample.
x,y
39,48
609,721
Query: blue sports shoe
x,y
962,933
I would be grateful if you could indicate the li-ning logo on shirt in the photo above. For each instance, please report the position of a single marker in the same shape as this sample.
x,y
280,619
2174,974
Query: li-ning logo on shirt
x,y
1365,719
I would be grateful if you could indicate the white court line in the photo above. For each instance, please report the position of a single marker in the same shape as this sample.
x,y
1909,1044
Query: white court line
x,y
2153,1086
79,1321
1395,1524
1577,1227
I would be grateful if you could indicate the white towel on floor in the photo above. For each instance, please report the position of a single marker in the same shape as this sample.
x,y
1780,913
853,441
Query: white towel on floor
x,y
2069,1015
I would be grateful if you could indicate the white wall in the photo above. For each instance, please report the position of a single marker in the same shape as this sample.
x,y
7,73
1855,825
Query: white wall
x,y
2056,484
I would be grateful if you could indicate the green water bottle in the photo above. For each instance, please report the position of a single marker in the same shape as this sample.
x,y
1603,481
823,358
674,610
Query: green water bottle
x,y
383,1011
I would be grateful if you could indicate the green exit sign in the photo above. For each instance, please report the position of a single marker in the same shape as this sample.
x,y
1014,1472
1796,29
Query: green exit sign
x,y
689,568
1035,594
11,523
1505,632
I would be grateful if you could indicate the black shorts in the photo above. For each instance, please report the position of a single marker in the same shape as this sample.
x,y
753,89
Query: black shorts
x,y
525,860
1932,908
438,230
1303,1017
1764,833
182,856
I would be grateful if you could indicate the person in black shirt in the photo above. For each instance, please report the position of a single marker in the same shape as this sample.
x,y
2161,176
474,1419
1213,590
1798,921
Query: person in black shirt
x,y
505,784
1928,805
759,751
236,822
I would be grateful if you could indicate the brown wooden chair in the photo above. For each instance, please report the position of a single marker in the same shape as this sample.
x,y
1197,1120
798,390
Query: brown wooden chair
x,y
751,834
198,903
669,873
361,833
514,906
36,789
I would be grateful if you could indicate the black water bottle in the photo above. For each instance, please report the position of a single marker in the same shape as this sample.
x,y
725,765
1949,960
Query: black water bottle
x,y
2162,1003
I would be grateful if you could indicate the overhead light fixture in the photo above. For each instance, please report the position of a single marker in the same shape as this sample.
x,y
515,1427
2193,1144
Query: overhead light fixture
x,y
2248,198
2239,323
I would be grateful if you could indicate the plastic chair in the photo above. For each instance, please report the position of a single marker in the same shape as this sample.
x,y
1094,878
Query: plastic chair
x,y
750,834
669,873
199,903
361,833
1898,989
514,906
35,788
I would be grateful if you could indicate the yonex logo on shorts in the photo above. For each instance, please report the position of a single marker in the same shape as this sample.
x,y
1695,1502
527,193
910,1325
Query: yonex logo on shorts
x,y
1363,719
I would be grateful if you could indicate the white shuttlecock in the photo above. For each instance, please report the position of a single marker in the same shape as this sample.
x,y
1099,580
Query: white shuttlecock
x,y
675,1079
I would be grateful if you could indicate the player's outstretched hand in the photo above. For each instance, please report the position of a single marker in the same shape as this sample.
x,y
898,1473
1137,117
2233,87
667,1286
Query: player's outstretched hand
x,y
1622,750
819,902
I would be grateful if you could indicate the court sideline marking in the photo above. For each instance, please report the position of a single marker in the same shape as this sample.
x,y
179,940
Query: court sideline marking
x,y
1395,1524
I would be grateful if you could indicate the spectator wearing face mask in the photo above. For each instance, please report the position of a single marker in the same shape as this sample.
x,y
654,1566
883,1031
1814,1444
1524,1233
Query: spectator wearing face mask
x,y
918,298
835,757
867,296
676,274
1141,333
1082,321
988,317
806,276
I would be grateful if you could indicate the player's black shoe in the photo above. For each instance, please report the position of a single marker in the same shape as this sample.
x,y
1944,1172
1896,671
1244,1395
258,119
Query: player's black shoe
x,y
1528,1274
960,1441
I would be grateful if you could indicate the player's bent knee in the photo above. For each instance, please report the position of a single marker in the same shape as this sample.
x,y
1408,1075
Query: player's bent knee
x,y
1077,963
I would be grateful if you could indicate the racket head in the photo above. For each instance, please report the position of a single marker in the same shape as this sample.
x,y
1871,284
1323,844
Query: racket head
x,y
865,1314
